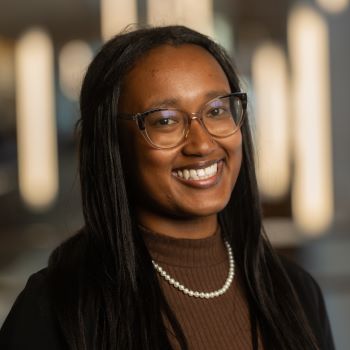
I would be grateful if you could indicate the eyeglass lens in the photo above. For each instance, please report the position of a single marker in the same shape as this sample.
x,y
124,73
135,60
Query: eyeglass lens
x,y
221,117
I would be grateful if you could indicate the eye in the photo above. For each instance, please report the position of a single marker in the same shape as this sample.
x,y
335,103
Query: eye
x,y
164,119
214,112
219,111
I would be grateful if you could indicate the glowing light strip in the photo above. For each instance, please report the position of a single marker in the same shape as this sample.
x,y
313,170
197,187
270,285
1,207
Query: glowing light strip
x,y
192,13
36,126
333,6
116,15
73,60
312,195
270,79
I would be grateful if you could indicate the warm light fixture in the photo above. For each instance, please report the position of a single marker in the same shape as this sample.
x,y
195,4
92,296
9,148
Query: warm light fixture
x,y
195,14
36,125
270,81
116,15
224,32
73,60
333,6
312,195
6,68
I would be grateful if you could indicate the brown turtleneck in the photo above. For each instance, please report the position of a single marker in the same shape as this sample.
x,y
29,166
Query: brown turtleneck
x,y
202,265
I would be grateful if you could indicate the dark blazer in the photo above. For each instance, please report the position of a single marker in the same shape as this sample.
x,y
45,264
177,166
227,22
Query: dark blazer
x,y
31,323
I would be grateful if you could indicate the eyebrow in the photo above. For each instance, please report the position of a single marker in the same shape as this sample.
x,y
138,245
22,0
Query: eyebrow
x,y
174,102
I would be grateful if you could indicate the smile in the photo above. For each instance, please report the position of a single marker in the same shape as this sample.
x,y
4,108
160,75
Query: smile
x,y
197,174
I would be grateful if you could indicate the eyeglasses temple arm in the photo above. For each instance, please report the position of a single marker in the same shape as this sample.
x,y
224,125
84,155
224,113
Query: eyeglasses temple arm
x,y
126,116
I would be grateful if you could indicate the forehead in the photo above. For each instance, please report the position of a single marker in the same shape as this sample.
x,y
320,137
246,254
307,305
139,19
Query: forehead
x,y
168,71
173,56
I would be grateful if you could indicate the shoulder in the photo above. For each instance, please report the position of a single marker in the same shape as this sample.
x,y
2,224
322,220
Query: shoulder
x,y
33,319
306,288
36,286
311,299
31,323
32,300
304,284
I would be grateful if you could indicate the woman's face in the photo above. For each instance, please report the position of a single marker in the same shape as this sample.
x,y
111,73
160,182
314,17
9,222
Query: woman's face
x,y
184,77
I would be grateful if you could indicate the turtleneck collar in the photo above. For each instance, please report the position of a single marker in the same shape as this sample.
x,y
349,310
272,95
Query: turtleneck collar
x,y
185,252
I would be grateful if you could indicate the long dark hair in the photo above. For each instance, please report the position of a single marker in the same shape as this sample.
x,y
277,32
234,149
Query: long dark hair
x,y
104,288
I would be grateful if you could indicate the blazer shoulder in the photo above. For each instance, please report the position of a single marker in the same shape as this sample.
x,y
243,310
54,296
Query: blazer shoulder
x,y
303,281
31,323
311,299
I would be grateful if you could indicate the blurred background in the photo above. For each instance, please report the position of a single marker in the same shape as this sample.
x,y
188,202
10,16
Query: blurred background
x,y
293,58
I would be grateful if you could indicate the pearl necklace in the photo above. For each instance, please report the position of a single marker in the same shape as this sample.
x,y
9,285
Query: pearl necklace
x,y
192,293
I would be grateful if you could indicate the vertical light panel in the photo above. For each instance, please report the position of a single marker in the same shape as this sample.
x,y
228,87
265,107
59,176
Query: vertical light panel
x,y
195,14
116,15
333,6
73,60
312,196
270,81
224,32
36,125
6,68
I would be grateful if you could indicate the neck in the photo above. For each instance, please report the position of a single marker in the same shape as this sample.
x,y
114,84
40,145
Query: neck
x,y
193,228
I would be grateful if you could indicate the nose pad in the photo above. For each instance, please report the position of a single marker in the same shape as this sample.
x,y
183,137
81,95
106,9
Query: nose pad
x,y
201,124
198,139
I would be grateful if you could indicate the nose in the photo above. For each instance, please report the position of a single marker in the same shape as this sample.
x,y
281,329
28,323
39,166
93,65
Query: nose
x,y
198,141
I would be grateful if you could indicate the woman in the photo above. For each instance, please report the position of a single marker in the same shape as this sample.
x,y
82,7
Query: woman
x,y
173,254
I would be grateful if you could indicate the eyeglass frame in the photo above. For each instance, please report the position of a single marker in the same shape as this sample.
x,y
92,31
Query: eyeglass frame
x,y
140,118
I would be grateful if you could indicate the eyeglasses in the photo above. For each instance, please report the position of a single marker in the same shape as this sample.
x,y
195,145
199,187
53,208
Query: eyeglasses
x,y
168,127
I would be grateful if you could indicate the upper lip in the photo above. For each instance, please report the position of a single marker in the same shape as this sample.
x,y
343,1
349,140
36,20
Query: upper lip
x,y
199,165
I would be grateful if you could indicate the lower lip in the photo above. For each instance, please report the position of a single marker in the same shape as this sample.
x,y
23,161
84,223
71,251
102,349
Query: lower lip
x,y
205,183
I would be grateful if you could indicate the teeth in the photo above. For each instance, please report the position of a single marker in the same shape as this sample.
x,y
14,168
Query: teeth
x,y
193,174
201,172
198,174
208,170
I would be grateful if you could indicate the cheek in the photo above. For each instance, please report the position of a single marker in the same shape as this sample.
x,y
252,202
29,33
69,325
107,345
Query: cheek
x,y
155,167
148,170
153,184
234,150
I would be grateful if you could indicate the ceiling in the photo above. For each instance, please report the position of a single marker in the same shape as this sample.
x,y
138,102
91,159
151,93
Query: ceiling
x,y
69,19
64,19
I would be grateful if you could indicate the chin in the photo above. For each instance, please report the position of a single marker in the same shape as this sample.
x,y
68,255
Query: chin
x,y
204,209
